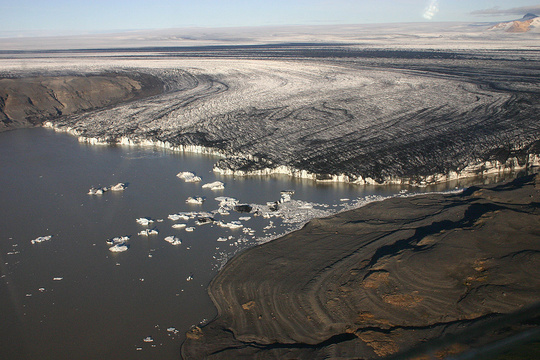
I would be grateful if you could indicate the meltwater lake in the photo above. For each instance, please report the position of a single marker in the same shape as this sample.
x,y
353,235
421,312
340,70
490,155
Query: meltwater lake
x,y
71,298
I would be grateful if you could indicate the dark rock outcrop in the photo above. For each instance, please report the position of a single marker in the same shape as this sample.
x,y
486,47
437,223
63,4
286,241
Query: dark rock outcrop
x,y
29,101
380,279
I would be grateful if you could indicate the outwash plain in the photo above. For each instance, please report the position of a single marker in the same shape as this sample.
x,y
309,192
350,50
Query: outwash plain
x,y
402,104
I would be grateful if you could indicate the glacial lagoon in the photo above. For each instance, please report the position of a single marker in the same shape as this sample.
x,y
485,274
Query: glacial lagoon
x,y
69,297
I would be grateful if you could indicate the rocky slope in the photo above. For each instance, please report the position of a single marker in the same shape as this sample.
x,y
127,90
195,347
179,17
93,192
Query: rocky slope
x,y
28,101
381,279
529,22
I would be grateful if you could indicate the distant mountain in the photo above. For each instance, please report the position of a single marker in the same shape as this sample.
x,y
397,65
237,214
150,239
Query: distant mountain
x,y
529,22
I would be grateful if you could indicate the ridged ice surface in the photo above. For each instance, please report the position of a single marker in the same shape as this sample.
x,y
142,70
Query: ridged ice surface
x,y
334,113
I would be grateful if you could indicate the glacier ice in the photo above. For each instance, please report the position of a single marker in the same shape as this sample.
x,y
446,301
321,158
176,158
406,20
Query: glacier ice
x,y
188,176
41,239
197,200
216,185
119,247
144,221
173,240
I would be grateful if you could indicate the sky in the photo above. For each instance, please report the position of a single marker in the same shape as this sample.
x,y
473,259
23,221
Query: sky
x,y
18,17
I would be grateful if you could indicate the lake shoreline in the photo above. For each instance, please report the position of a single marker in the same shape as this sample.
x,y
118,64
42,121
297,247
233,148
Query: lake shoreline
x,y
349,296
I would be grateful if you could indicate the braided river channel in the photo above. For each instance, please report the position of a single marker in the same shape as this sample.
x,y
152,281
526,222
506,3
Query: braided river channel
x,y
70,297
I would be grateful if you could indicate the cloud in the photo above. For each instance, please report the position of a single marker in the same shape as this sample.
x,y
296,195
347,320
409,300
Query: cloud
x,y
497,11
431,9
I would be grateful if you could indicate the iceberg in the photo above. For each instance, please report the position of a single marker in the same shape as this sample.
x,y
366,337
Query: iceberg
x,y
216,185
118,240
179,216
173,240
197,200
119,247
118,187
147,232
230,225
41,239
244,218
204,220
144,221
190,229
178,226
188,176
148,339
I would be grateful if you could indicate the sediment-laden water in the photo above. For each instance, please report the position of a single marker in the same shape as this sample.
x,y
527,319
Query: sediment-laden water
x,y
69,297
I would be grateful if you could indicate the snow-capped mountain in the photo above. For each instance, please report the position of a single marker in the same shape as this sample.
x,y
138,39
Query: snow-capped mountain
x,y
529,22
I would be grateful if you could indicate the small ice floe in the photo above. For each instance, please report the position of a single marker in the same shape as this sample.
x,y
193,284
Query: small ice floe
x,y
273,205
172,330
117,240
173,240
144,221
344,199
222,239
248,231
58,278
41,289
216,185
190,229
98,191
138,348
196,200
41,239
179,216
269,226
223,211
190,277
148,232
244,218
233,225
178,226
119,247
119,187
203,220
188,176
148,339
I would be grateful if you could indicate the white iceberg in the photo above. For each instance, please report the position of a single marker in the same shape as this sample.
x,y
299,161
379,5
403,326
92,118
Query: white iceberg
x,y
188,176
197,200
244,218
119,247
144,221
118,240
148,339
190,229
173,240
230,225
178,226
148,232
118,187
216,185
58,278
41,239
179,216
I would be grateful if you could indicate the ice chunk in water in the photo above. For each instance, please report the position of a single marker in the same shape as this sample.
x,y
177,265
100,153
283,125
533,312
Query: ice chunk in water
x,y
216,185
173,240
188,176
144,221
41,239
119,247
